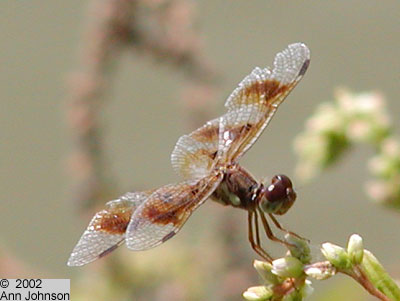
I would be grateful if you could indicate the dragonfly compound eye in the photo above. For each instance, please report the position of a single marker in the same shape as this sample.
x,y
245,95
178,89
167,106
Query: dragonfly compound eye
x,y
279,196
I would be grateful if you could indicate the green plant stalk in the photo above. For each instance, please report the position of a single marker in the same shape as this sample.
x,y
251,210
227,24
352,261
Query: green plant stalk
x,y
379,277
359,275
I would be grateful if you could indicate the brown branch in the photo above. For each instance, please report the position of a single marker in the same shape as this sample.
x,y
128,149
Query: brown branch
x,y
115,25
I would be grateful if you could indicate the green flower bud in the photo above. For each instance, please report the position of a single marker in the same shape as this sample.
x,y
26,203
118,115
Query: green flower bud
x,y
300,248
355,249
264,269
320,270
336,255
287,267
258,293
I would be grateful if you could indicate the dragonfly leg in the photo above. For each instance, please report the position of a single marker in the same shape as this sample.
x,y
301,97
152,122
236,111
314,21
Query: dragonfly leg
x,y
256,244
269,233
278,225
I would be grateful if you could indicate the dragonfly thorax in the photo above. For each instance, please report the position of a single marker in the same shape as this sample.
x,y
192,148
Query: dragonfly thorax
x,y
238,189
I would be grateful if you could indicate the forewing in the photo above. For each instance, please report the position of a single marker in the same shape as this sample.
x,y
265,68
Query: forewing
x,y
194,154
106,231
166,211
254,102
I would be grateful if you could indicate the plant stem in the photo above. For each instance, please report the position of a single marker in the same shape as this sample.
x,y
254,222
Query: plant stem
x,y
358,274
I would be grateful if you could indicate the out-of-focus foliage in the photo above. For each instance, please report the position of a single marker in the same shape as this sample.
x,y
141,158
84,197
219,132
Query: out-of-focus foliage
x,y
349,120
162,29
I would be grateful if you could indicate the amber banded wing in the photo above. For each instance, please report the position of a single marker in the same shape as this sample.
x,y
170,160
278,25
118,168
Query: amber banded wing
x,y
254,102
194,154
166,211
106,231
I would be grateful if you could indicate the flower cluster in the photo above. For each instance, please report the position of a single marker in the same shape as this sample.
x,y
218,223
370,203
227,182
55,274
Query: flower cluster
x,y
286,278
362,266
385,167
341,258
352,119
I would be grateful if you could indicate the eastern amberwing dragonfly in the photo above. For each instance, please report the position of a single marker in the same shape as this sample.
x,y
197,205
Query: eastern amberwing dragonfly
x,y
208,161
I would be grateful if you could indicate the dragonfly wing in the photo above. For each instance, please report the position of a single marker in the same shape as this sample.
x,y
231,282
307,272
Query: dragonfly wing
x,y
166,211
254,102
106,231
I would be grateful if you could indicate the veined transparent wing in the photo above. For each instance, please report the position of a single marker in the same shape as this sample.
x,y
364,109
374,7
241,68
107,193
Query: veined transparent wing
x,y
164,213
106,231
194,154
254,102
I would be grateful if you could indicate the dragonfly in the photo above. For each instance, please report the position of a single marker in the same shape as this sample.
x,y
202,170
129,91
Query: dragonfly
x,y
207,159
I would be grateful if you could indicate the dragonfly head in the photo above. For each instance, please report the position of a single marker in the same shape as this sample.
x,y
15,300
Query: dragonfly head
x,y
277,197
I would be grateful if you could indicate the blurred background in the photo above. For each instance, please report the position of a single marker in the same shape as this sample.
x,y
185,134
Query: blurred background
x,y
94,95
